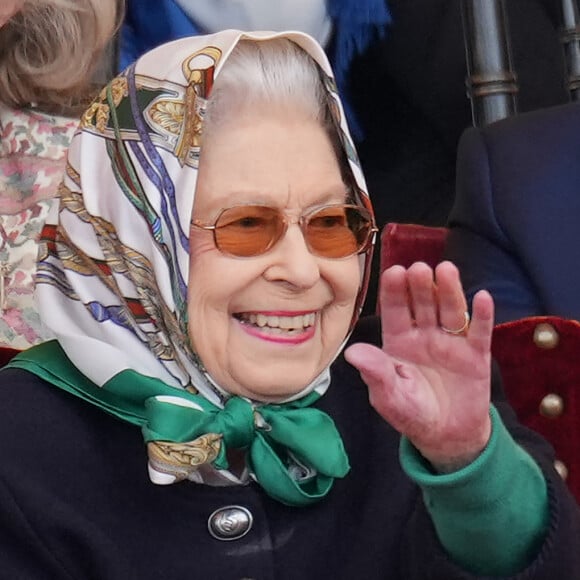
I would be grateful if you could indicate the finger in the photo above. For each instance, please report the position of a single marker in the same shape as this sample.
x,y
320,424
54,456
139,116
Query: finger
x,y
422,292
396,316
480,331
373,364
450,296
379,373
390,386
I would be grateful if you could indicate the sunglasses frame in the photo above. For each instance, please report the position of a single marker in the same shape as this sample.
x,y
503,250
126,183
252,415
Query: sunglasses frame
x,y
301,221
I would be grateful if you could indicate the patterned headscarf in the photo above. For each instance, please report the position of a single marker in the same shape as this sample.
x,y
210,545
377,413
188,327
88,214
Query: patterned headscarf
x,y
113,270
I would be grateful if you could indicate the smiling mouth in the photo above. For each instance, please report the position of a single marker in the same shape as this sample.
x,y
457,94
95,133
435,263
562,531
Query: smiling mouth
x,y
276,324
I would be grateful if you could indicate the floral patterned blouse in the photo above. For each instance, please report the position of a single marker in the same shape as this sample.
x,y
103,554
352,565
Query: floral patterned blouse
x,y
33,149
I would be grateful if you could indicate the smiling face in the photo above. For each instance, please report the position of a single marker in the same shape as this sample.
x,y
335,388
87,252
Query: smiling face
x,y
266,326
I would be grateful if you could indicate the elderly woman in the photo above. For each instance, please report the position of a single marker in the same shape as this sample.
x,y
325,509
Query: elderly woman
x,y
203,275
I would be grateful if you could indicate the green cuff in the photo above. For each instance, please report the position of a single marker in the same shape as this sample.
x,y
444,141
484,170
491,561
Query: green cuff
x,y
492,515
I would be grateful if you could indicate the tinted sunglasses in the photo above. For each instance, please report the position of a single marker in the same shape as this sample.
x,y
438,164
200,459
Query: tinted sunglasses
x,y
330,231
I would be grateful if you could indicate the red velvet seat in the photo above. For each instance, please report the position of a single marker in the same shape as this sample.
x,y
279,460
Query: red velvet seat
x,y
403,244
539,362
6,353
407,243
538,356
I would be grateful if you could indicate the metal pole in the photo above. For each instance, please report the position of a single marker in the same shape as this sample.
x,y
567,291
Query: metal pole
x,y
491,82
571,42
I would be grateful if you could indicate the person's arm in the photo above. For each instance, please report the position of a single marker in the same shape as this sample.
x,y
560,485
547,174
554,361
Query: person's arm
x,y
432,381
555,557
477,244
492,515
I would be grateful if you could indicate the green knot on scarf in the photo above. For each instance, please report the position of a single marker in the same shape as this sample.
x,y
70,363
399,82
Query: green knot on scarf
x,y
292,450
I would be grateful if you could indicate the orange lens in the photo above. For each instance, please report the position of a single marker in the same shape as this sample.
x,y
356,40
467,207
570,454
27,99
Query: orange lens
x,y
248,230
338,231
334,231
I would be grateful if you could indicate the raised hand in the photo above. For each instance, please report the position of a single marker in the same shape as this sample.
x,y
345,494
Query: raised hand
x,y
431,379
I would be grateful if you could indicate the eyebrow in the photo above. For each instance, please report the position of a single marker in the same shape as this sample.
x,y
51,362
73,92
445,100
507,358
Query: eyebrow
x,y
342,195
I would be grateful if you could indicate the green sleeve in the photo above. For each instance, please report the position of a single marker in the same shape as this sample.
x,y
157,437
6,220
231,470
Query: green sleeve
x,y
492,515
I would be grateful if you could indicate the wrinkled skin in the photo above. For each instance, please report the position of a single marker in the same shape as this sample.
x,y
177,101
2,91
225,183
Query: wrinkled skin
x,y
431,386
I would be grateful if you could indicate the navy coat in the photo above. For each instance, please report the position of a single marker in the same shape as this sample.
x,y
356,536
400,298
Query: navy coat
x,y
76,502
515,225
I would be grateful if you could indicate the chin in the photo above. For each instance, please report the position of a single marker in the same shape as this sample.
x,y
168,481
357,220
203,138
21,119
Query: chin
x,y
267,389
269,395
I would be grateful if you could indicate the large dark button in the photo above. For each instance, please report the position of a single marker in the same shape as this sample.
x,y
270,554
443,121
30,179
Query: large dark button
x,y
546,336
230,522
552,406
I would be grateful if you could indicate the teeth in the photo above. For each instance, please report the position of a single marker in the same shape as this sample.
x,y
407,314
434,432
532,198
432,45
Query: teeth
x,y
294,322
283,322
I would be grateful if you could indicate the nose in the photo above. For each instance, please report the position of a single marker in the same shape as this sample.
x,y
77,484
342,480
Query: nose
x,y
292,261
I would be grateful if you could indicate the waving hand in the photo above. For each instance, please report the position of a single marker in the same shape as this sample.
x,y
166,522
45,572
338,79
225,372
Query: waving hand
x,y
431,379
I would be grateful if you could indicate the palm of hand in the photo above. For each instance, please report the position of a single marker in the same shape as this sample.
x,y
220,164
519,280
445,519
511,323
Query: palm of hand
x,y
431,386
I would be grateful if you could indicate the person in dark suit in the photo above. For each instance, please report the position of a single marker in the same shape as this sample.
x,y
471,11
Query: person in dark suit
x,y
514,226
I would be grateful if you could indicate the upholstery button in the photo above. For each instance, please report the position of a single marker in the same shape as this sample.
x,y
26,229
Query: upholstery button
x,y
561,468
230,522
546,336
552,406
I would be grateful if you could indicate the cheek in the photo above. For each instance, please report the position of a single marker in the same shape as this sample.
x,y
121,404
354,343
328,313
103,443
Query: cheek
x,y
345,280
345,284
215,280
346,291
200,243
202,258
201,249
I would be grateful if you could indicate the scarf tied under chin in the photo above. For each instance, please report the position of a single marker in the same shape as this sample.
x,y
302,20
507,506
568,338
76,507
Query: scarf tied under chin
x,y
292,450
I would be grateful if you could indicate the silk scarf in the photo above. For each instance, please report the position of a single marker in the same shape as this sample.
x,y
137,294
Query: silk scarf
x,y
113,271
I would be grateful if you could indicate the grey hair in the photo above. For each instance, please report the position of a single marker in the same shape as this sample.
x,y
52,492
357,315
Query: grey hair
x,y
276,73
270,72
50,48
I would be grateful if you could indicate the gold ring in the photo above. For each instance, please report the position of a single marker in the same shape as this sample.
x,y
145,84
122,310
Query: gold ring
x,y
461,330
